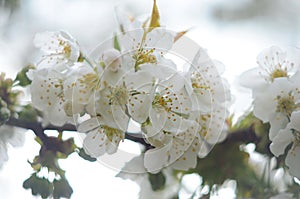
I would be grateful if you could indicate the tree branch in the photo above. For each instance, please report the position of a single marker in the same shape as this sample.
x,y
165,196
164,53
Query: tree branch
x,y
38,130
243,135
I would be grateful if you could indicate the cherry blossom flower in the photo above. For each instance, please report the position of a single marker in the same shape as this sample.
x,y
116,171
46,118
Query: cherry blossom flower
x,y
47,95
273,63
182,114
208,86
80,87
170,108
277,103
139,47
9,136
134,170
59,49
100,138
178,151
213,124
291,134
111,59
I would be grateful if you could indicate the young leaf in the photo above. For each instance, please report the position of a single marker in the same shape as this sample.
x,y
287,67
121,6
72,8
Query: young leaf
x,y
62,189
154,22
157,181
116,43
85,156
38,186
22,78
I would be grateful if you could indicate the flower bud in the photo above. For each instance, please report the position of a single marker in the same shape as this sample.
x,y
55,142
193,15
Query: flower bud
x,y
4,112
111,59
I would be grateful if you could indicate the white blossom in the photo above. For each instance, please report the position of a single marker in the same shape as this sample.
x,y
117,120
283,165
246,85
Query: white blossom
x,y
47,95
181,114
170,108
272,63
139,47
277,103
135,171
208,87
112,59
100,138
80,87
285,137
59,49
178,151
9,136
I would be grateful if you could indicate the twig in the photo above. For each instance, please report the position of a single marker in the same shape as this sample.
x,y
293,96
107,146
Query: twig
x,y
38,130
243,135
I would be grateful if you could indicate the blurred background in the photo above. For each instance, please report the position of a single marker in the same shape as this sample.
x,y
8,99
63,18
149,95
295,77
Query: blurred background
x,y
232,31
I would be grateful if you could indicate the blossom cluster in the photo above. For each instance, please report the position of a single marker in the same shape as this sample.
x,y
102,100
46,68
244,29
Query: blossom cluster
x,y
275,88
181,112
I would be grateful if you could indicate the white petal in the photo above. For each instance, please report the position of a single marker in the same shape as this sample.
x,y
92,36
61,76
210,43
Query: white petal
x,y
156,159
295,120
160,39
120,118
263,105
131,40
94,143
277,122
281,141
252,79
3,153
293,161
159,70
187,161
158,120
142,81
139,107
88,125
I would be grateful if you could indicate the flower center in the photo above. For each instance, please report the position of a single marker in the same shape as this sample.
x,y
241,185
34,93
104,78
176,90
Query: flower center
x,y
119,95
198,83
286,105
143,56
278,72
161,102
89,81
112,133
66,48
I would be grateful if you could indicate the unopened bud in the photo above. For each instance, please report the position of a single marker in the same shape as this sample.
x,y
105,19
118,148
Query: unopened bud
x,y
111,59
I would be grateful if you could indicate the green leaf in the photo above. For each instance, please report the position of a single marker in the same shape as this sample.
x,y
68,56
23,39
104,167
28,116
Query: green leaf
x,y
62,148
227,161
157,181
38,186
28,114
67,147
22,78
49,159
62,189
4,115
85,156
116,43
154,21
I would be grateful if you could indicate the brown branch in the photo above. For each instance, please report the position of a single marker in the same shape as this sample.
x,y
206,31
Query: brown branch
x,y
38,130
243,135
